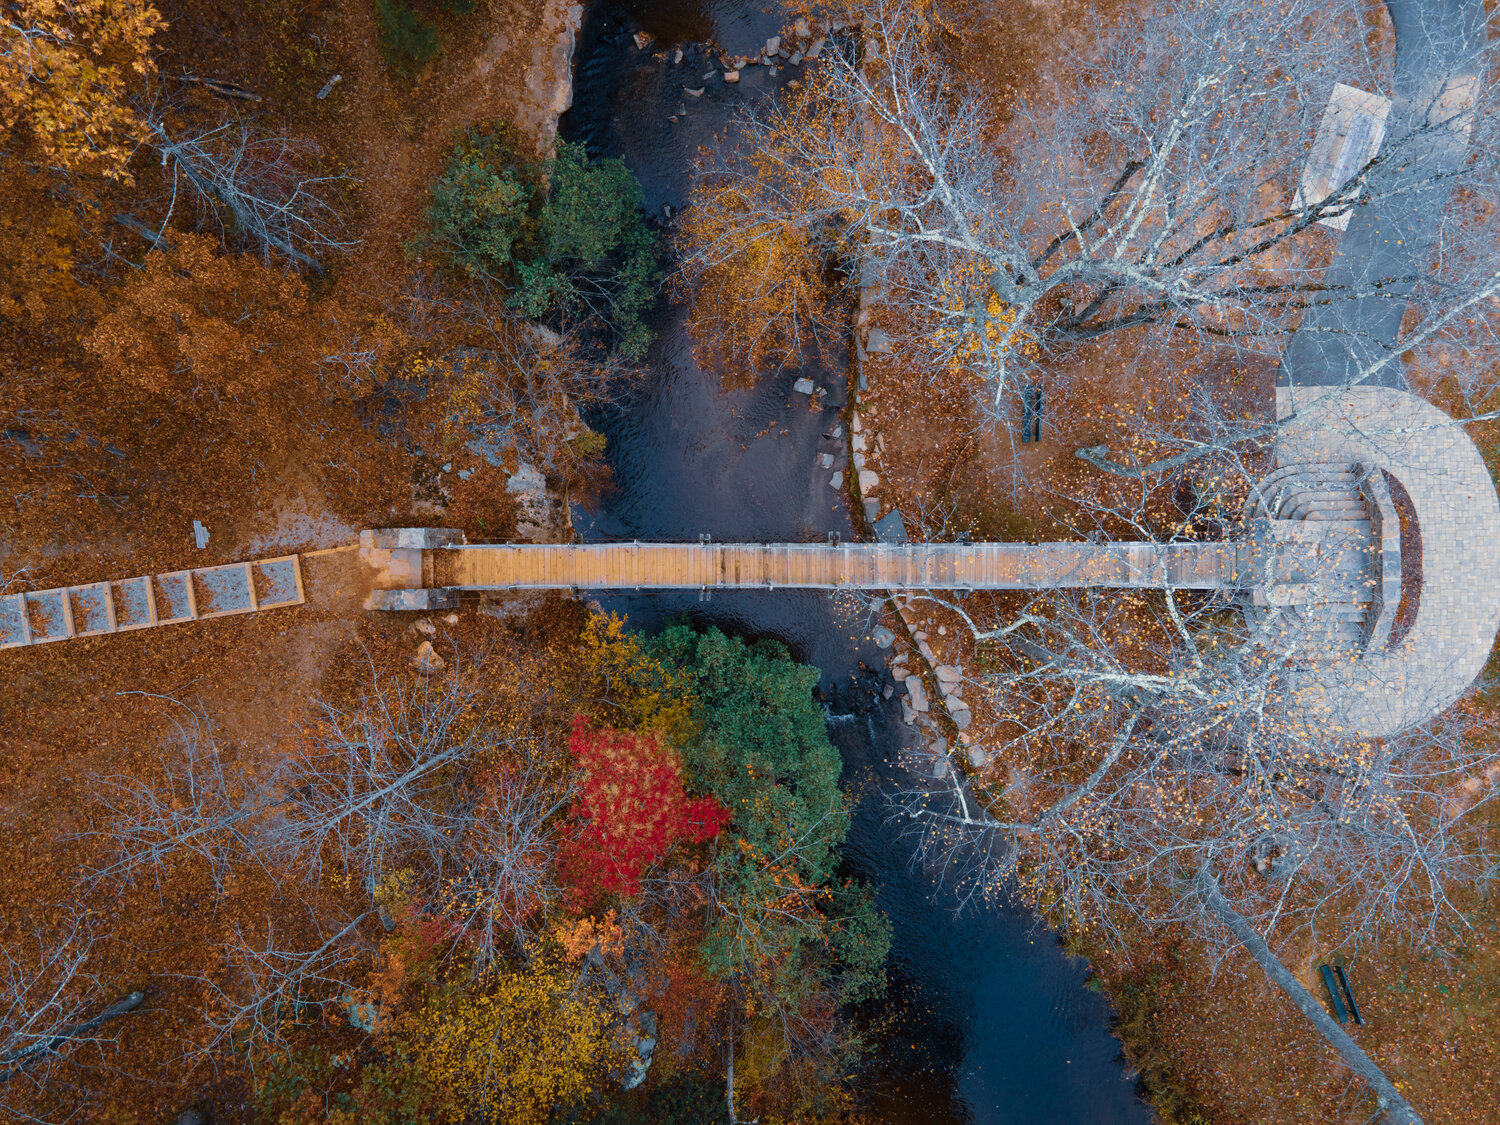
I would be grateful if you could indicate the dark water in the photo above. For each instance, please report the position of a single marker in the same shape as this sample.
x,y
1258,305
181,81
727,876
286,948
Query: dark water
x,y
989,1022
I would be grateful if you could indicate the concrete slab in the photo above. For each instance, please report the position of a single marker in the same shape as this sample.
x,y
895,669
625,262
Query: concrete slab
x,y
1349,135
135,608
278,582
174,597
50,616
405,538
420,601
221,591
93,609
15,629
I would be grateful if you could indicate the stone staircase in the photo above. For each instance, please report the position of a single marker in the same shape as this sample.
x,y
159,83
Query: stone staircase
x,y
1317,555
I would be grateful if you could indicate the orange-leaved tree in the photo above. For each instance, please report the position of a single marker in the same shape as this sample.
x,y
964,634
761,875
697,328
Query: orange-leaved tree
x,y
218,329
761,276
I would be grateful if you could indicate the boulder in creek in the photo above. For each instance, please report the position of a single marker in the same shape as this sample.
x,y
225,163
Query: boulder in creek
x,y
977,757
918,693
731,76
882,637
962,718
773,45
693,91
643,39
635,1073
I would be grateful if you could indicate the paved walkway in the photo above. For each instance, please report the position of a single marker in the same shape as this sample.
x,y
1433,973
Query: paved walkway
x,y
1387,242
97,608
1458,517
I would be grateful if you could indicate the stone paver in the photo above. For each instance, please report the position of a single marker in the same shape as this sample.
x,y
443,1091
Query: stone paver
x,y
96,608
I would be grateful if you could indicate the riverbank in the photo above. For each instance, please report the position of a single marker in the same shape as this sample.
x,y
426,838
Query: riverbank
x,y
988,1020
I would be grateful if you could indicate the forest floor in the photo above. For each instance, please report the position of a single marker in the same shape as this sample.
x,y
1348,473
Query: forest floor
x,y
121,705
342,469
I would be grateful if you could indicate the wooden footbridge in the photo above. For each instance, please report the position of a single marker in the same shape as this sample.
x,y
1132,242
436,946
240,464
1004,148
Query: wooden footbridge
x,y
865,566
411,566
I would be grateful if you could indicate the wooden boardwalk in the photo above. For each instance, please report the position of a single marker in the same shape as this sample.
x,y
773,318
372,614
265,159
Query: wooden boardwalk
x,y
881,566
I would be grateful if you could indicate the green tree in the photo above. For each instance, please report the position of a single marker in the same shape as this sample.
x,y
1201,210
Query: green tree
x,y
567,236
761,747
407,41
481,205
794,943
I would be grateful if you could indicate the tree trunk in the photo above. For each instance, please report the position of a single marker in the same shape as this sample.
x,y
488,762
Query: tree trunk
x,y
17,1062
1395,1109
1098,455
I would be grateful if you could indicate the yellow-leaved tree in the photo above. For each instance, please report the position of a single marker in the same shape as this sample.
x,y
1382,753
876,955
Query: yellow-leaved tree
x,y
64,70
525,1042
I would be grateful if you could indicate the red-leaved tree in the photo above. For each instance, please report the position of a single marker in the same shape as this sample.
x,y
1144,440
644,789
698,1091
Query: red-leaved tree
x,y
630,811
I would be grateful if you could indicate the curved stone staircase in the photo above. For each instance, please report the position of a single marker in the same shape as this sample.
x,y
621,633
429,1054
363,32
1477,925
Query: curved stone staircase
x,y
1316,556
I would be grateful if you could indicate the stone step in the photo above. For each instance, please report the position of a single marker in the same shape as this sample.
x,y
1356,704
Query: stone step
x,y
1326,500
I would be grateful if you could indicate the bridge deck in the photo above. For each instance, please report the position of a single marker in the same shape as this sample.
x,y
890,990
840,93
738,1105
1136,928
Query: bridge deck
x,y
993,566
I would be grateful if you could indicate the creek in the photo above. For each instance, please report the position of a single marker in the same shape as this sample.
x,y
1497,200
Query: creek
x,y
987,1020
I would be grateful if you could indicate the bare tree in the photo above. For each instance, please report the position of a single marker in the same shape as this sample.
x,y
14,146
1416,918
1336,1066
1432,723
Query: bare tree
x,y
1151,766
430,776
1151,191
50,1004
271,981
254,186
452,784
197,806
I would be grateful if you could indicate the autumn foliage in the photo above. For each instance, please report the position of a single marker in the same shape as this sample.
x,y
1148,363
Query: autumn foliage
x,y
631,810
64,71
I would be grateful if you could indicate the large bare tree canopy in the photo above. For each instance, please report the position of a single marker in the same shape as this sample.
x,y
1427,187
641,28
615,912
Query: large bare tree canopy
x,y
1153,187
